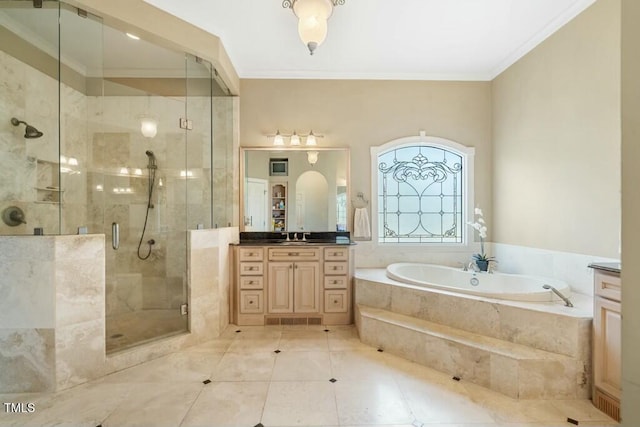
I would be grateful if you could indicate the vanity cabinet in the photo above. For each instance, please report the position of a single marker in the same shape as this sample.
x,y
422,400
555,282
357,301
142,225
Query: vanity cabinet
x,y
298,285
293,287
607,331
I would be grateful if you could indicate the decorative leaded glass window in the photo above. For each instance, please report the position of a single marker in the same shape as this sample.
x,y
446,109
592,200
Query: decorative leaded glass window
x,y
421,194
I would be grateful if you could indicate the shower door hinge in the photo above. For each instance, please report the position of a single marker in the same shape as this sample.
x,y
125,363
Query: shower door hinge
x,y
184,309
186,123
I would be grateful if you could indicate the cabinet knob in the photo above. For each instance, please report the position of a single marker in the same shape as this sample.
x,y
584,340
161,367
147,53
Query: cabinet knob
x,y
335,268
250,302
335,282
335,301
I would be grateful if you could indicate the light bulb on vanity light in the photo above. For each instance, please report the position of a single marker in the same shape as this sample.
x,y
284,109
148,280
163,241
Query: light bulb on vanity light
x,y
311,139
295,139
278,139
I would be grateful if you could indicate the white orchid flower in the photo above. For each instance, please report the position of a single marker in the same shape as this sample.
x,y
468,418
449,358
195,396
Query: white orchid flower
x,y
478,211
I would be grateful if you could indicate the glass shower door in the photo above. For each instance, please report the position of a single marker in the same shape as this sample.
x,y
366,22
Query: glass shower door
x,y
138,170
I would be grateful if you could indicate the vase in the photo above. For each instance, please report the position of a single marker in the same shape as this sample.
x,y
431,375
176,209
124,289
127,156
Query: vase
x,y
482,264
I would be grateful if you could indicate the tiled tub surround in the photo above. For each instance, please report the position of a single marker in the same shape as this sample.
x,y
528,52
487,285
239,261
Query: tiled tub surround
x,y
52,314
520,349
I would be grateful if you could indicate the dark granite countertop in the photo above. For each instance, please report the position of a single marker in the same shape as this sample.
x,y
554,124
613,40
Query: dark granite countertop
x,y
260,238
613,267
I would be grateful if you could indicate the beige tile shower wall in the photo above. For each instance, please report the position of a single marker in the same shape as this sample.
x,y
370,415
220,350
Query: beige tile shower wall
x,y
80,309
209,280
27,314
52,315
115,143
556,131
25,164
225,147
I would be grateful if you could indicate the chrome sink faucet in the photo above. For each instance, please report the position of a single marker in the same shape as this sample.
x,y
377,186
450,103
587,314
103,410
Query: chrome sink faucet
x,y
286,234
295,237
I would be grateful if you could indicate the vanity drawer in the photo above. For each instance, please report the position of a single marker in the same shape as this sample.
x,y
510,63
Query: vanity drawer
x,y
251,268
336,254
251,302
336,282
608,285
251,282
336,268
251,254
293,254
336,301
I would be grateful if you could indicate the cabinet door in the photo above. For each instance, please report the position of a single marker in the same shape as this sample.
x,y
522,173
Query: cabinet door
x,y
280,287
306,287
606,345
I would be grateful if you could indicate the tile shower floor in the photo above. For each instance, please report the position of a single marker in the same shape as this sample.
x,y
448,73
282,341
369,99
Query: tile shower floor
x,y
274,376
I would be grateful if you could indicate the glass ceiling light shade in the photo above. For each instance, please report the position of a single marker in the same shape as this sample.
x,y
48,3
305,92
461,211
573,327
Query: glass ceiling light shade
x,y
278,139
311,139
148,126
295,139
312,19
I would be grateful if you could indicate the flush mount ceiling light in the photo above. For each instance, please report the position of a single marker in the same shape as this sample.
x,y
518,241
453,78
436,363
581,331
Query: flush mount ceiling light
x,y
312,19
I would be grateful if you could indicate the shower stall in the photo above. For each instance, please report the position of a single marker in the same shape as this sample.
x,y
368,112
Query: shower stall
x,y
104,132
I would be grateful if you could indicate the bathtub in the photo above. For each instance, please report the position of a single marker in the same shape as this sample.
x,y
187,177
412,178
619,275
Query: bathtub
x,y
514,287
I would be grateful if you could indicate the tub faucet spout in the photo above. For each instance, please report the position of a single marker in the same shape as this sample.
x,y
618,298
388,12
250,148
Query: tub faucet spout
x,y
557,292
473,267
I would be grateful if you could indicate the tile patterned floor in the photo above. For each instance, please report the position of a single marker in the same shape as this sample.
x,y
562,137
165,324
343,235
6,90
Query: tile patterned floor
x,y
251,385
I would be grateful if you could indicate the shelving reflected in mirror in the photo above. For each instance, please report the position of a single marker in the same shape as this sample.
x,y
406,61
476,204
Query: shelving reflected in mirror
x,y
283,191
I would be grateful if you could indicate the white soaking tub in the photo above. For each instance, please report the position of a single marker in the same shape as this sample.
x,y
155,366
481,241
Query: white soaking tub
x,y
514,287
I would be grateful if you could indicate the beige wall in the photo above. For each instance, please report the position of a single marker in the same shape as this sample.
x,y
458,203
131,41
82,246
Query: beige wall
x,y
630,213
556,152
360,114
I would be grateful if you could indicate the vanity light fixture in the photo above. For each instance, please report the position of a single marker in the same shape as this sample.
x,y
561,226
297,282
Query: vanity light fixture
x,y
295,139
312,19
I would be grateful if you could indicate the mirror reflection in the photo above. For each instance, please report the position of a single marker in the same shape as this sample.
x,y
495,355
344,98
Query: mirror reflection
x,y
295,190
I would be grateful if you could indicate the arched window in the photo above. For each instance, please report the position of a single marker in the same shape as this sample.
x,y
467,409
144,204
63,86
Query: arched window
x,y
423,187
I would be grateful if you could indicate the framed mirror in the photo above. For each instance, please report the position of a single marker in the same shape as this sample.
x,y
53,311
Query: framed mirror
x,y
294,189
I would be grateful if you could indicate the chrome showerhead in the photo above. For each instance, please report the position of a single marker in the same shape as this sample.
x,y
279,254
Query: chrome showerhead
x,y
29,132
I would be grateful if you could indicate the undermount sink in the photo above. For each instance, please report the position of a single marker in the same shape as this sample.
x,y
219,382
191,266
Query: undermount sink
x,y
294,242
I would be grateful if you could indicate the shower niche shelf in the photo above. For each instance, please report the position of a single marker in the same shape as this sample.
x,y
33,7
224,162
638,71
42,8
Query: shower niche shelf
x,y
48,182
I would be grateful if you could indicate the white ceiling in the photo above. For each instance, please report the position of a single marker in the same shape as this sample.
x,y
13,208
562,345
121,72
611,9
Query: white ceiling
x,y
381,39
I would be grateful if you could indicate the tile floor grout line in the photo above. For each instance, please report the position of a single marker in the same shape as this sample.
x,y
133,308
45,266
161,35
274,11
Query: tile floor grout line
x,y
191,406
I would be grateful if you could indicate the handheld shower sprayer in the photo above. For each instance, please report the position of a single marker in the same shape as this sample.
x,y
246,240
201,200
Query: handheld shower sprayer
x,y
152,160
152,166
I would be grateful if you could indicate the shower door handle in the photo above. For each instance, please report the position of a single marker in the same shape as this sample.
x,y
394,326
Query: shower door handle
x,y
115,235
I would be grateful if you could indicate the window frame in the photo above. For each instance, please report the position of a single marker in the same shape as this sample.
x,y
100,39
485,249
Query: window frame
x,y
468,160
